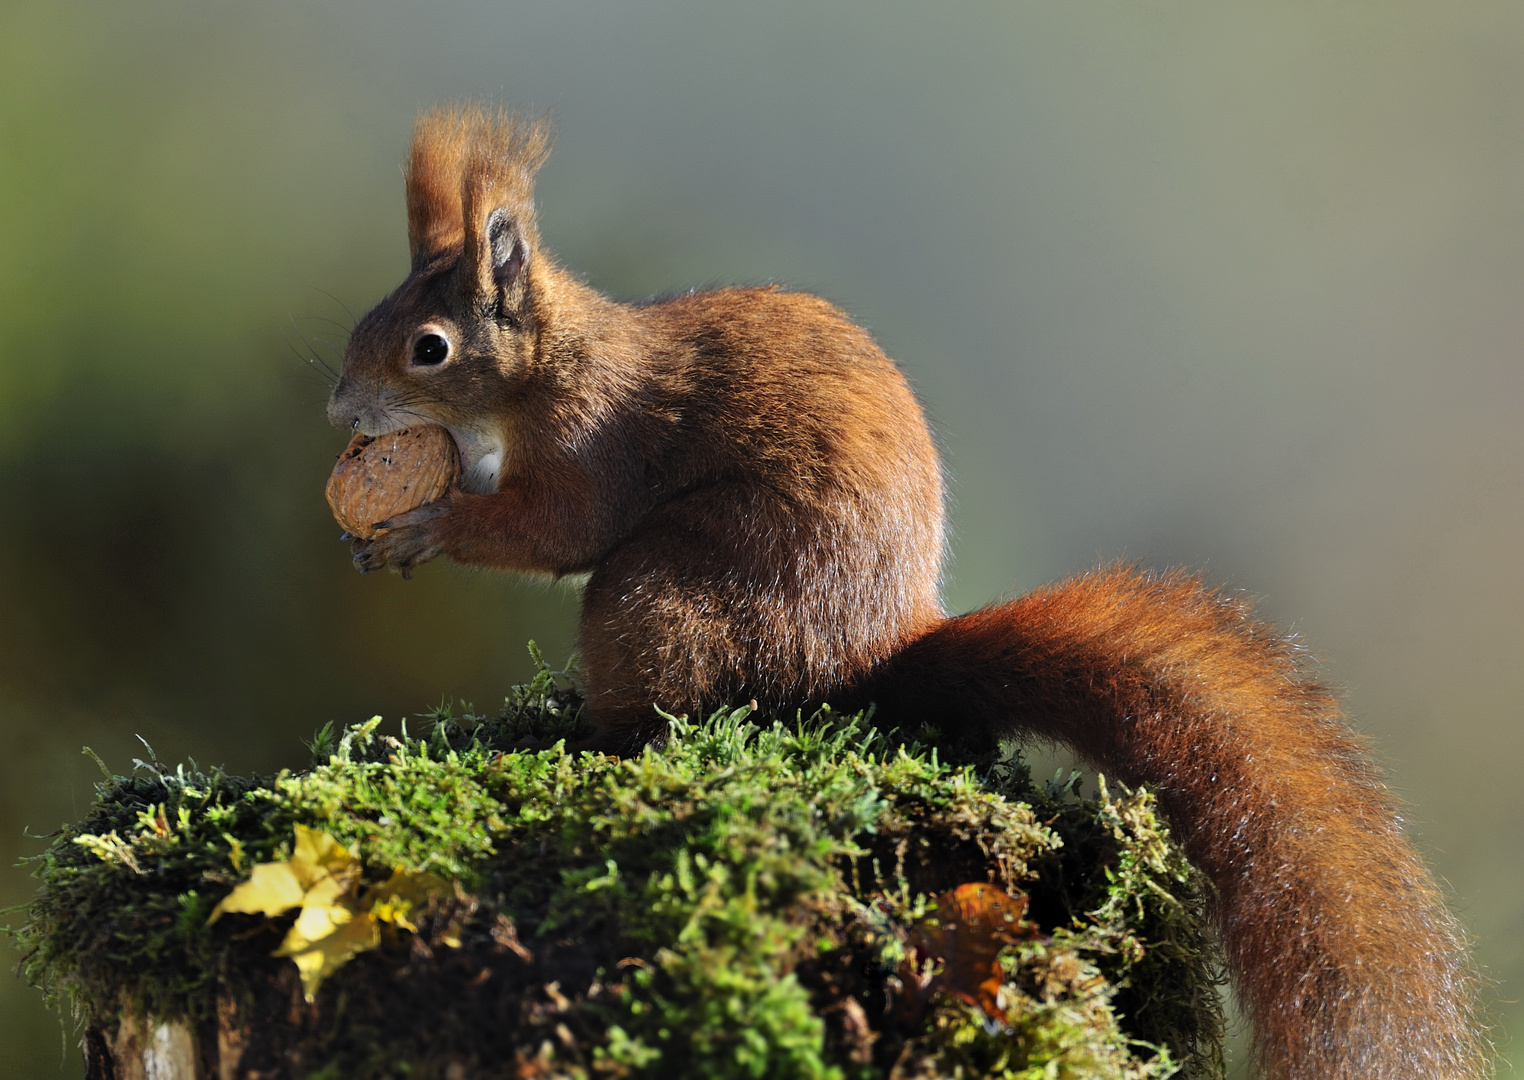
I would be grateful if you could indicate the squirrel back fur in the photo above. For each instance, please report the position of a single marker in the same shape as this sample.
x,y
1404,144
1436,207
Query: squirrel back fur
x,y
754,491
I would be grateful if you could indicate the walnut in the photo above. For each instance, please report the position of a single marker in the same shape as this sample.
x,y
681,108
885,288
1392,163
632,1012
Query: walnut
x,y
379,477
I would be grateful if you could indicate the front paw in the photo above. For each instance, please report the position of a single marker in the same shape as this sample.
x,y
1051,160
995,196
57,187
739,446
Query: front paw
x,y
404,541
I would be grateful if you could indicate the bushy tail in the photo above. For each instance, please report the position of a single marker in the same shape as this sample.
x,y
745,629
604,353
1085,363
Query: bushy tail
x,y
1339,941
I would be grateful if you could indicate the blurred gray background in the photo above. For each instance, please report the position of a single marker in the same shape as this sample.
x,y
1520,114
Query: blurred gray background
x,y
1230,288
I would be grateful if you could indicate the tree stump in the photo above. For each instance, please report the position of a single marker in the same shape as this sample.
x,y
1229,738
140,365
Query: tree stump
x,y
777,900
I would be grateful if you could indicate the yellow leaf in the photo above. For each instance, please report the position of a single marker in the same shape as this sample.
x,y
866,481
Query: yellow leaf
x,y
271,890
323,939
395,898
319,871
322,877
317,855
411,886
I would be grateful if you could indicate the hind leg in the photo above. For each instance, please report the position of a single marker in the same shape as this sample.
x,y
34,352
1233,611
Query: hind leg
x,y
731,594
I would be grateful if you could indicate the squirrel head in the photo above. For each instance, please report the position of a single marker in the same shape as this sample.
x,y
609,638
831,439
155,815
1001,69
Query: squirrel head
x,y
454,341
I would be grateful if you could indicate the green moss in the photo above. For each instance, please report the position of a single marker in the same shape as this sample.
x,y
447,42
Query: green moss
x,y
734,903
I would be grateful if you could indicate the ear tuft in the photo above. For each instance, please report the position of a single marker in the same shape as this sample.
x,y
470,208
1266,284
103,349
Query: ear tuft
x,y
467,160
497,205
433,174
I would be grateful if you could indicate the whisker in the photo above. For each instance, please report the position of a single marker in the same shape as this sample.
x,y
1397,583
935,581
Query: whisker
x,y
310,377
315,367
331,322
336,300
337,352
413,398
310,357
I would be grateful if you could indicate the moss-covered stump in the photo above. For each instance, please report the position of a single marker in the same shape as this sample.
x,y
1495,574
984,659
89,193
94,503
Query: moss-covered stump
x,y
813,900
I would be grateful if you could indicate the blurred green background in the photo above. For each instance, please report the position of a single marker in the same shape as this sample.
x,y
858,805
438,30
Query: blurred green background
x,y
1225,287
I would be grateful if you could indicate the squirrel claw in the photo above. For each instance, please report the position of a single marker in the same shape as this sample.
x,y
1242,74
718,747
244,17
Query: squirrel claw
x,y
364,558
402,546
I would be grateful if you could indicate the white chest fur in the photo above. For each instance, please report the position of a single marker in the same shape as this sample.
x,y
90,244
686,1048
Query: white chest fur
x,y
481,460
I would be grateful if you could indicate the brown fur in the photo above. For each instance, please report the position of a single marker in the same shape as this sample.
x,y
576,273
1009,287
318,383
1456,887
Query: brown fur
x,y
754,491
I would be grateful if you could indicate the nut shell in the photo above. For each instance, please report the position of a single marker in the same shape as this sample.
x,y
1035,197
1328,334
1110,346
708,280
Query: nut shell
x,y
379,477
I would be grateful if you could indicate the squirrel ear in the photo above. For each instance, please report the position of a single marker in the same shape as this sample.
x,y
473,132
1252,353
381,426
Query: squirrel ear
x,y
507,251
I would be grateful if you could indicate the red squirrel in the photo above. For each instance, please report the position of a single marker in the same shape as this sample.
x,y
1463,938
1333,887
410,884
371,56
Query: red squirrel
x,y
752,488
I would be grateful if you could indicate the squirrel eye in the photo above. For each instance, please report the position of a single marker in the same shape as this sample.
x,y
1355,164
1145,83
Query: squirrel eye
x,y
430,349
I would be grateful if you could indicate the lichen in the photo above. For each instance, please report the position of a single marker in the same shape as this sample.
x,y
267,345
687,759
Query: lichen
x,y
735,902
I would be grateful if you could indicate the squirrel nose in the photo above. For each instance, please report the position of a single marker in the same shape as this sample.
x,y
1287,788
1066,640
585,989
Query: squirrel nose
x,y
343,418
342,411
